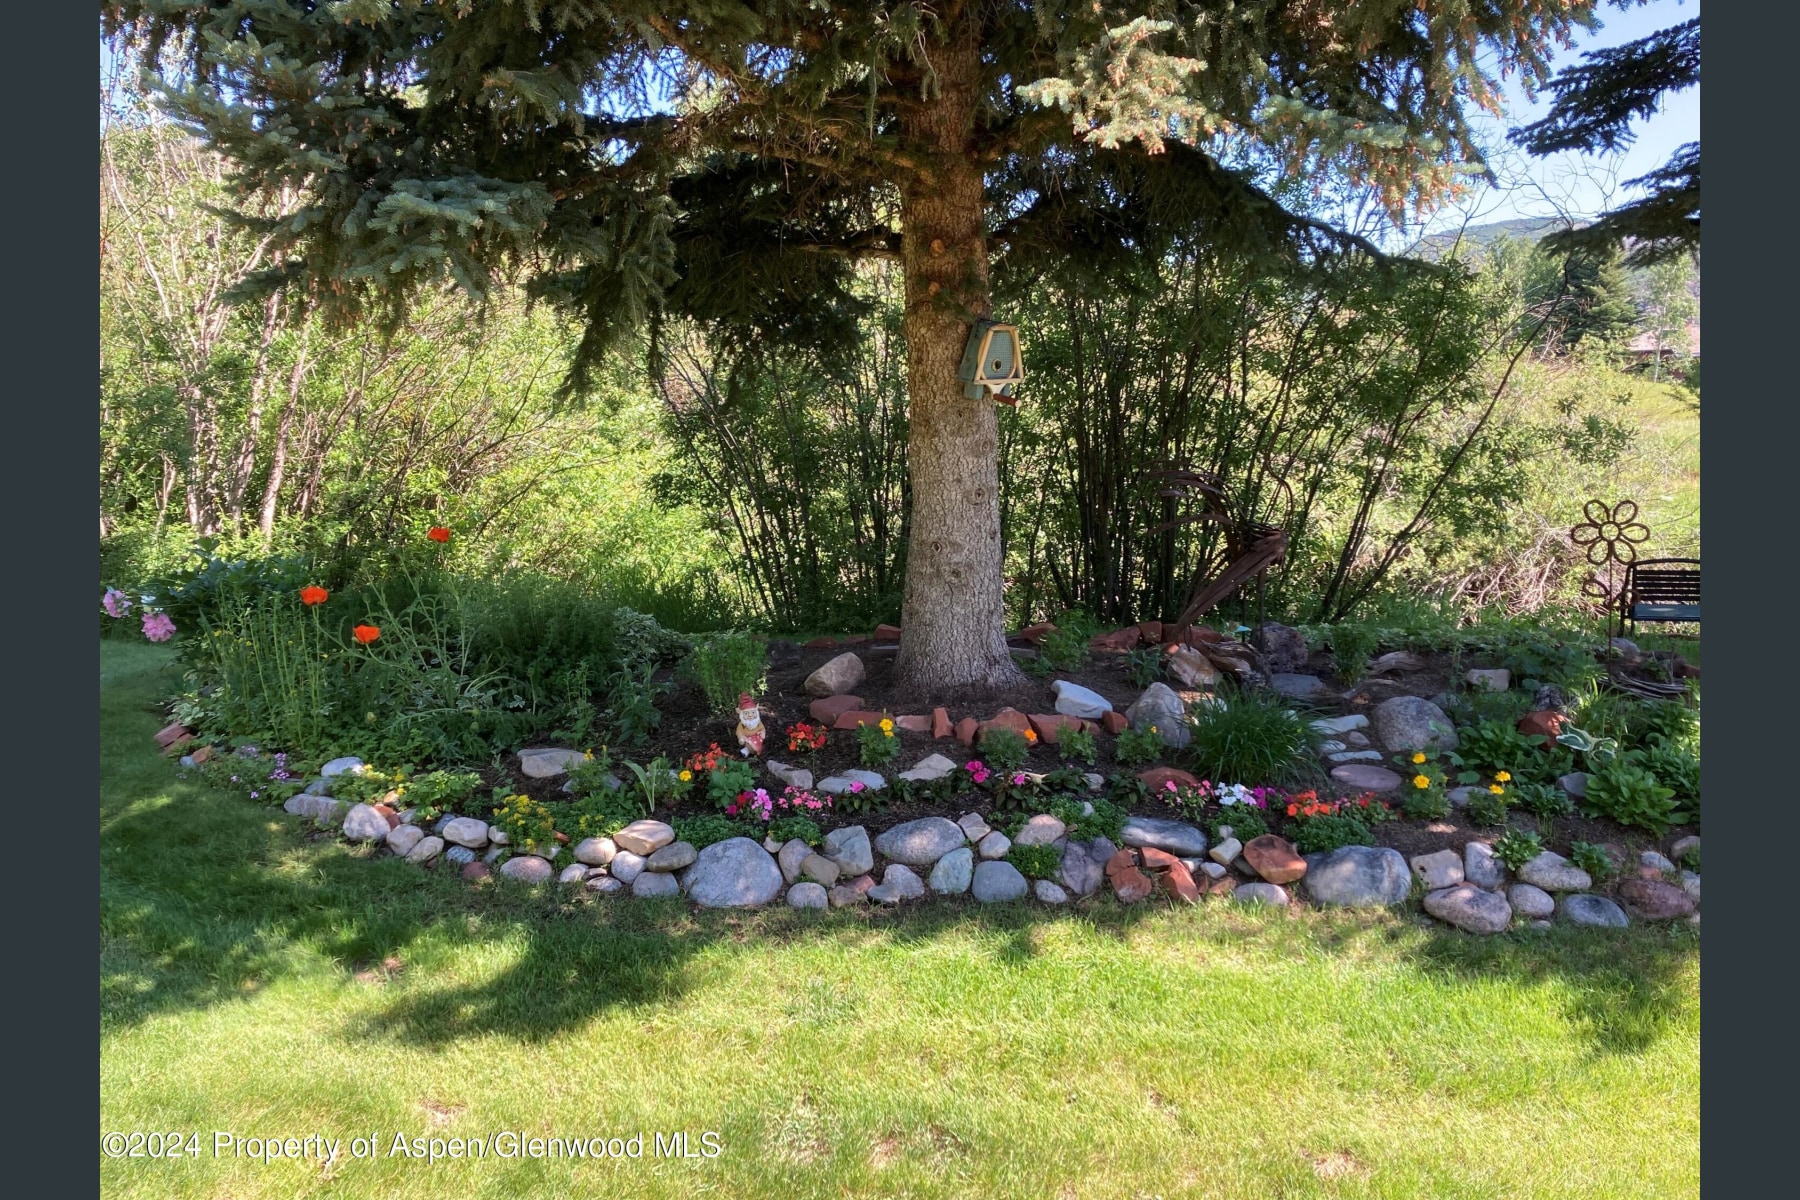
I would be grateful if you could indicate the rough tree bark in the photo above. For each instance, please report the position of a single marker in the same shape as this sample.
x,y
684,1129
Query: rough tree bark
x,y
953,620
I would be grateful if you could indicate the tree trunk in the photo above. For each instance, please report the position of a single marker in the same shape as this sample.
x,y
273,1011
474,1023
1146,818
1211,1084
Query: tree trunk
x,y
953,620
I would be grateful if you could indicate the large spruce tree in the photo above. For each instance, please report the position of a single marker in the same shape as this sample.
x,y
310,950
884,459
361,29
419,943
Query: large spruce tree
x,y
728,162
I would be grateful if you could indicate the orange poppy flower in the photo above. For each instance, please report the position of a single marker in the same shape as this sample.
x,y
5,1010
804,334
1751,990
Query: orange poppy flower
x,y
312,594
438,533
1031,735
365,633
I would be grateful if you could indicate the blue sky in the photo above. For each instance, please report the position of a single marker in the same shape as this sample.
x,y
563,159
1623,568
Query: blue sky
x,y
1576,184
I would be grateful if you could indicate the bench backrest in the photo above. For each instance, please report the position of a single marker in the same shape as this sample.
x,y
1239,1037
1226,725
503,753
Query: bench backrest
x,y
1663,581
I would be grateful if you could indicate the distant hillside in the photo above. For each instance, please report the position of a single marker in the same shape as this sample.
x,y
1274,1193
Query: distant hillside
x,y
1523,228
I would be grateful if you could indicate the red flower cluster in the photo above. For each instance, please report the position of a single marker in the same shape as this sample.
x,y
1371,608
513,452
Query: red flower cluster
x,y
1308,804
701,763
805,738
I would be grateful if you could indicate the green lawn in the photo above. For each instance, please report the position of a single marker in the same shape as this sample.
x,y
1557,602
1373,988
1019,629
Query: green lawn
x,y
938,1051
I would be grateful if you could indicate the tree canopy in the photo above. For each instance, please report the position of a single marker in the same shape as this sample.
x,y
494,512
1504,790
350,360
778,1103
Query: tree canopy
x,y
1596,104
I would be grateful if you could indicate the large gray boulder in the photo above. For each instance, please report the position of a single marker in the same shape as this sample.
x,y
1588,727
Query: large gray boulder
x,y
734,873
951,875
1533,903
547,762
1584,908
322,809
920,843
897,883
849,849
997,882
1177,837
1080,872
836,677
1357,877
1470,908
1407,723
1076,701
1161,709
1554,873
427,849
364,824
1041,830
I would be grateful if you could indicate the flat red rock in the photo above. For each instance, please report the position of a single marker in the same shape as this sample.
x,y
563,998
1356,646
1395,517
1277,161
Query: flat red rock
x,y
1150,632
1050,726
830,708
1179,883
1160,860
1007,718
913,724
820,643
1118,640
1156,777
168,735
1654,900
1274,858
1035,633
1122,860
856,718
1132,885
940,723
1542,724
887,633
1366,777
1114,722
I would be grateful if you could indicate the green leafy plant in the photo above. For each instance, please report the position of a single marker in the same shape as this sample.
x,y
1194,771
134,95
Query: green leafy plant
x,y
1004,751
703,829
1107,820
1623,790
1315,835
655,782
1592,859
1077,745
1065,648
1035,862
1424,797
1256,737
1543,800
1515,848
1674,767
1494,745
367,785
786,829
860,799
727,781
1691,859
436,792
1138,746
876,744
592,774
1352,645
600,813
631,694
1488,806
726,665
1144,666
1245,821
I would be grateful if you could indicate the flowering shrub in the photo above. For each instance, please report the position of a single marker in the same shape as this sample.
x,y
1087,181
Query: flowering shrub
x,y
1005,750
1489,807
761,805
525,822
805,738
438,534
157,625
727,781
1139,746
876,744
1317,825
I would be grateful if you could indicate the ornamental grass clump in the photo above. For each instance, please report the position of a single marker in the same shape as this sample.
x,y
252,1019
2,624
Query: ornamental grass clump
x,y
1254,736
727,665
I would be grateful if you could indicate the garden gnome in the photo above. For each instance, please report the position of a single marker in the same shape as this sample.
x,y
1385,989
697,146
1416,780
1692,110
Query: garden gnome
x,y
750,729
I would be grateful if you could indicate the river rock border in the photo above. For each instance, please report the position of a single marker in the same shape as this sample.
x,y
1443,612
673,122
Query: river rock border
x,y
934,856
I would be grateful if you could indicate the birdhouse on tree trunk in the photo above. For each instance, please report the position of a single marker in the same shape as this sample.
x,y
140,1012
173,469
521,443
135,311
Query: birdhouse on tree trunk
x,y
992,362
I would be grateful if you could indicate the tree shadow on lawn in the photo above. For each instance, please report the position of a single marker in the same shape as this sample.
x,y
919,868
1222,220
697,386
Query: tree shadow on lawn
x,y
207,897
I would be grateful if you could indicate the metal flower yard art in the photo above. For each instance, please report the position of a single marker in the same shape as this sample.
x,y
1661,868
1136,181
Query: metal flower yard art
x,y
1609,536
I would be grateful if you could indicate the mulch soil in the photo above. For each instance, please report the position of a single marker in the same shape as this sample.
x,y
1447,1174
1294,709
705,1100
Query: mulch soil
x,y
689,726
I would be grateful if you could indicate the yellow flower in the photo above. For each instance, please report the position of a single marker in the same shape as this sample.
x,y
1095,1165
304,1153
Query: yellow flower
x,y
1503,776
1421,782
686,776
1153,729
1419,757
1496,789
887,725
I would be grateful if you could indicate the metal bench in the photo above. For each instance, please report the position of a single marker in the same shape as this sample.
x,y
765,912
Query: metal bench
x,y
1660,589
